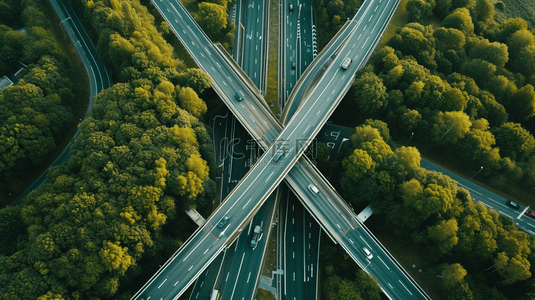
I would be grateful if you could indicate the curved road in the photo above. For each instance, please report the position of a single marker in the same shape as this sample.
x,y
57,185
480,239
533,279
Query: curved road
x,y
99,78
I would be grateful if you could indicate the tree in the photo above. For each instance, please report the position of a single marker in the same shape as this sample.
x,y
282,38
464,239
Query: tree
x,y
484,10
449,38
444,235
480,70
363,134
418,10
450,127
358,164
514,141
190,101
370,93
495,53
212,17
452,281
460,19
454,100
195,79
522,104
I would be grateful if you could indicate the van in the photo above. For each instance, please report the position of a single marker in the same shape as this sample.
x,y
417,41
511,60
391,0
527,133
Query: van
x,y
238,96
313,189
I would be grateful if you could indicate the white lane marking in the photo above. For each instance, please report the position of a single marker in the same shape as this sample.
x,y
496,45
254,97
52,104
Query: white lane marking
x,y
351,241
405,287
365,27
364,44
162,283
202,54
376,8
338,226
318,112
175,283
470,189
359,36
190,268
383,263
248,277
224,83
247,203
202,283
227,276
370,248
390,285
206,251
270,176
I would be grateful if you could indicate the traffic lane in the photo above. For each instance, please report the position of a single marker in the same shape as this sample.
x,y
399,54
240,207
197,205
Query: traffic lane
x,y
253,49
206,281
381,266
224,75
295,245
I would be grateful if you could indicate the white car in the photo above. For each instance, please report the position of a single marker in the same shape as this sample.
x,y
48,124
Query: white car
x,y
314,189
367,252
346,63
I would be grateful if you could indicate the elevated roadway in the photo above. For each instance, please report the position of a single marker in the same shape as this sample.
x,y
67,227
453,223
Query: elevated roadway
x,y
299,128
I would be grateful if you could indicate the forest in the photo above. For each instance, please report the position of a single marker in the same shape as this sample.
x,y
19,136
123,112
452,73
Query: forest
x,y
103,221
38,110
462,84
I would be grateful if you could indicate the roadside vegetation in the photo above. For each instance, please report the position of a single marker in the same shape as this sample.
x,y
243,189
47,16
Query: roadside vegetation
x,y
103,222
461,84
38,111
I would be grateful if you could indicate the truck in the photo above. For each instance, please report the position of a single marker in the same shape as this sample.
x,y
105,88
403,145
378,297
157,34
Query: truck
x,y
215,295
257,235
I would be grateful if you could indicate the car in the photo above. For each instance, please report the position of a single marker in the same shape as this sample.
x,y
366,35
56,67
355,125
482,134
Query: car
x,y
513,204
239,96
313,189
223,221
346,63
278,155
291,7
367,253
530,213
257,236
293,65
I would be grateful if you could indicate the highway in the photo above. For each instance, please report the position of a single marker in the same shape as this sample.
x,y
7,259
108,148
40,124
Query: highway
x,y
300,128
301,251
99,78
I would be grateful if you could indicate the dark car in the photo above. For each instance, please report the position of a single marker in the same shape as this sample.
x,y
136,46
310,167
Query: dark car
x,y
513,204
291,7
238,96
223,221
530,213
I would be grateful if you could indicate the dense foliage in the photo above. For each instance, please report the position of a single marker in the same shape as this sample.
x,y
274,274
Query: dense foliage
x,y
470,246
331,15
36,112
213,17
464,88
107,217
343,280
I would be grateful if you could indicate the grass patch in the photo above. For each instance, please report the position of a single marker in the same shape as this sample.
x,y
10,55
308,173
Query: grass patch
x,y
270,259
272,92
399,19
264,294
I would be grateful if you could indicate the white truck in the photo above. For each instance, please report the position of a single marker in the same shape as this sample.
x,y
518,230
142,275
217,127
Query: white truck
x,y
257,236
